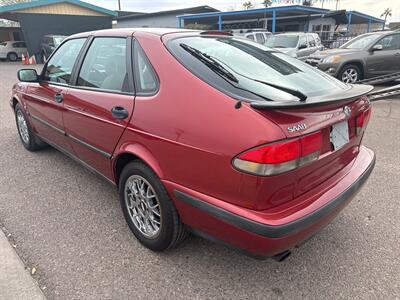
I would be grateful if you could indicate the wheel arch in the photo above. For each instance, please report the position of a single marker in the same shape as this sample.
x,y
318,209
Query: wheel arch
x,y
133,152
12,52
360,64
14,102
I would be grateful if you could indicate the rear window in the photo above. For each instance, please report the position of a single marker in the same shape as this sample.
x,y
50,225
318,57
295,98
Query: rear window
x,y
250,68
361,42
283,41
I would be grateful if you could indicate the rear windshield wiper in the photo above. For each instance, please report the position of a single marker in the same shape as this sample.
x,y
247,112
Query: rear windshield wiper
x,y
210,62
217,67
290,91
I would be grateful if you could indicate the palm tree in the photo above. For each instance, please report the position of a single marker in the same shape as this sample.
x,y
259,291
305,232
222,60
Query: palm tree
x,y
267,3
248,5
307,3
387,13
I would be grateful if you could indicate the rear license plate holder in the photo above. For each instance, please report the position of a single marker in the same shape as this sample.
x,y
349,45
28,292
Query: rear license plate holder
x,y
339,135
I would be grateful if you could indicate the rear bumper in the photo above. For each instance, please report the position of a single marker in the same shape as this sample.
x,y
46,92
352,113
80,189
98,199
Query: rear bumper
x,y
260,233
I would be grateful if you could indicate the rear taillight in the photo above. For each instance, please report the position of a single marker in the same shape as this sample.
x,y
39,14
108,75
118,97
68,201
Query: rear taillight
x,y
362,121
280,157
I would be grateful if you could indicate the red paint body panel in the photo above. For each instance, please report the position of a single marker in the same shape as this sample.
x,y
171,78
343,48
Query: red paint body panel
x,y
301,207
189,133
39,99
88,117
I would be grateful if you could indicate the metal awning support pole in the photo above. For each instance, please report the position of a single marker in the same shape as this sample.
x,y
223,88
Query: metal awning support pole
x,y
273,21
349,21
369,25
220,23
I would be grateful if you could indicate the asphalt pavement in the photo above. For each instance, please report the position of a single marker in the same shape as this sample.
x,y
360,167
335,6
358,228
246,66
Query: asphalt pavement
x,y
67,224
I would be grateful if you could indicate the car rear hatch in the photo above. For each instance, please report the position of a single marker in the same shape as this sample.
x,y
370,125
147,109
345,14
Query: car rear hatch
x,y
335,117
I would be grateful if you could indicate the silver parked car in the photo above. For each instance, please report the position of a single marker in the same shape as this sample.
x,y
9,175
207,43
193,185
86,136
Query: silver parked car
x,y
12,50
296,44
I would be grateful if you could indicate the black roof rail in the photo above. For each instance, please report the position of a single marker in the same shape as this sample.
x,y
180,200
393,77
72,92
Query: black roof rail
x,y
216,32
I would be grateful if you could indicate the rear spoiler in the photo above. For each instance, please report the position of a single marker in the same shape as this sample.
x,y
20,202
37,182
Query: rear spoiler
x,y
355,91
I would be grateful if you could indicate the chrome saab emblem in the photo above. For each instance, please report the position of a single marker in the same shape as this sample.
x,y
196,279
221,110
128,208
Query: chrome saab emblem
x,y
347,111
297,127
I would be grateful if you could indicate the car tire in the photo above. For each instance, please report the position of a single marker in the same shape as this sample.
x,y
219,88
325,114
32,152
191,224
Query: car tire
x,y
350,74
12,56
145,204
29,140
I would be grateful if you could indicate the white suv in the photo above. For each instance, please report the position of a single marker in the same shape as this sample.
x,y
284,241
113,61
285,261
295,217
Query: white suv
x,y
259,36
12,50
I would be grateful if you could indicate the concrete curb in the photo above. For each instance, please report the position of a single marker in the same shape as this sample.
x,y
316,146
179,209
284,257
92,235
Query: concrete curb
x,y
15,281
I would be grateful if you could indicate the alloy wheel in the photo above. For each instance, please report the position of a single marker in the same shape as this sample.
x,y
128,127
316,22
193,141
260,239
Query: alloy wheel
x,y
350,75
12,57
143,206
22,127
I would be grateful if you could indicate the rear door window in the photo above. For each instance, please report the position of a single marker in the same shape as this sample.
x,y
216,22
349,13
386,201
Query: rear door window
x,y
303,42
260,38
104,66
59,67
390,42
311,41
19,45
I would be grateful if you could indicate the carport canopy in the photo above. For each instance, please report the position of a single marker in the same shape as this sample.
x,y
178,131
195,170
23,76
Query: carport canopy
x,y
56,17
274,13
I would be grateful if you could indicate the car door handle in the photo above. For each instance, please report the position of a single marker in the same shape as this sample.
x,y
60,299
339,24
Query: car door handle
x,y
119,112
58,98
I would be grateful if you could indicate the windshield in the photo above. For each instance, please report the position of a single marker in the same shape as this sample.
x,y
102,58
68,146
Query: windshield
x,y
58,40
283,41
360,42
254,67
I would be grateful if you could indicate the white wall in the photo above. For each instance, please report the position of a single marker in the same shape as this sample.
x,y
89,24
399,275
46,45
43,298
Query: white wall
x,y
165,21
322,21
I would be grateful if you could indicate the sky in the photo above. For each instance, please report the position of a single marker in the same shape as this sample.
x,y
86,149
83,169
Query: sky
x,y
371,7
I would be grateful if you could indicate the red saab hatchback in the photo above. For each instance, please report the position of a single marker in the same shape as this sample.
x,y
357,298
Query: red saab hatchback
x,y
202,132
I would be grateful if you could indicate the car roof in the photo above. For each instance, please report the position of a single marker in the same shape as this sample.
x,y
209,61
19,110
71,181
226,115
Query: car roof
x,y
54,35
379,33
293,33
131,31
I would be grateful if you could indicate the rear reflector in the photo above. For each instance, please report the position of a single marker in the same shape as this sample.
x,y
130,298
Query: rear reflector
x,y
362,120
280,157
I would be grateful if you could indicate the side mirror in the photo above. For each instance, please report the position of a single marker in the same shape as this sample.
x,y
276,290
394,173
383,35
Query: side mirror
x,y
377,48
27,75
303,46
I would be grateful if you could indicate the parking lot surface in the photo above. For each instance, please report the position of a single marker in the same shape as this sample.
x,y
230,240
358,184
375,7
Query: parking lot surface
x,y
67,223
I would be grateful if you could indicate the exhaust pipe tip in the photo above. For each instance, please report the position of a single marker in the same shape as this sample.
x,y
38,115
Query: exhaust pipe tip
x,y
282,256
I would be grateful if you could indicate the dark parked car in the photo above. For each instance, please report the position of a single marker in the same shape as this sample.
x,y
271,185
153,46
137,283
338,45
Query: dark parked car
x,y
213,134
368,55
49,43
